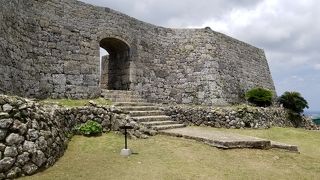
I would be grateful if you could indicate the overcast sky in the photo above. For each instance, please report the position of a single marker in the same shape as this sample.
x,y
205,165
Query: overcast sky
x,y
288,31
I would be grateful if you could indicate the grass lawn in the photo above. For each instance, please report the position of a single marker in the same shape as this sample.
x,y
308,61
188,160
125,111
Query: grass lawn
x,y
75,102
163,157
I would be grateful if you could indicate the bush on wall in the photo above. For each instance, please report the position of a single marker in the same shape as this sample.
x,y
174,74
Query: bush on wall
x,y
295,103
90,128
259,96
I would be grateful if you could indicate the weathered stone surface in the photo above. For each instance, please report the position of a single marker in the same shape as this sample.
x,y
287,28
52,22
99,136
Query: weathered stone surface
x,y
33,134
22,159
4,115
288,147
35,125
5,123
243,116
10,151
6,163
42,143
219,139
38,158
19,127
14,138
227,140
56,54
29,146
29,168
3,134
2,147
7,107
14,172
40,134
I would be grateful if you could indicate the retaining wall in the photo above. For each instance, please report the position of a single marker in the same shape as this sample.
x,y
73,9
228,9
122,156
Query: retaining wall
x,y
34,136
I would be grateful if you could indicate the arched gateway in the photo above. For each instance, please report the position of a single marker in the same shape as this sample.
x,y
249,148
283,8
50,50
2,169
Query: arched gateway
x,y
115,67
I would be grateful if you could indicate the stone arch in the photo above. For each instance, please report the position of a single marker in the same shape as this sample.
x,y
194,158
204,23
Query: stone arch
x,y
115,71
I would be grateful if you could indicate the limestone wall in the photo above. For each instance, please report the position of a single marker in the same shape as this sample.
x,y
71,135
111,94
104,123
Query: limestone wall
x,y
243,116
50,48
15,62
34,136
200,66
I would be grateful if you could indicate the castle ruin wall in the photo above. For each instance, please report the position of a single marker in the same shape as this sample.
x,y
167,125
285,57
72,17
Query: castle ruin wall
x,y
50,48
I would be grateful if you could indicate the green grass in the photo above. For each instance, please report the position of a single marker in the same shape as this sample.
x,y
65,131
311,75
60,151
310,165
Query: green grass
x,y
76,102
163,157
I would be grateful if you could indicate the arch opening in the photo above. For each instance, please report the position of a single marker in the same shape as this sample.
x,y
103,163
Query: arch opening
x,y
115,65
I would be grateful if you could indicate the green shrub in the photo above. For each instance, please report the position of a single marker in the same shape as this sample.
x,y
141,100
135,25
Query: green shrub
x,y
260,97
90,128
293,101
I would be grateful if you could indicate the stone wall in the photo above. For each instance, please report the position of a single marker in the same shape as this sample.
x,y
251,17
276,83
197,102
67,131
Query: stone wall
x,y
243,116
50,48
33,136
104,72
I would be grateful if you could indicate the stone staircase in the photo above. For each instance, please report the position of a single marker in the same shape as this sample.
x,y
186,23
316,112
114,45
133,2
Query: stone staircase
x,y
140,110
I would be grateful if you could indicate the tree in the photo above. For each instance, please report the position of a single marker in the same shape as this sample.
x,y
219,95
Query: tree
x,y
259,96
293,101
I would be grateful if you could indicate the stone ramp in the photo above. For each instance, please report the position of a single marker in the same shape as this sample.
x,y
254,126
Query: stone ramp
x,y
226,140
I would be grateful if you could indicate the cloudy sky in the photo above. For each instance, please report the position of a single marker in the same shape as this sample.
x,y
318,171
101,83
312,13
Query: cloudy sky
x,y
288,31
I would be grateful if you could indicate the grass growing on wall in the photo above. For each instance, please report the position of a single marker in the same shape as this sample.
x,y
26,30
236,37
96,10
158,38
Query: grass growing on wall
x,y
163,157
76,102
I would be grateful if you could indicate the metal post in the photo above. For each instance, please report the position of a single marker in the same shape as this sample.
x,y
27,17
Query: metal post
x,y
125,138
125,151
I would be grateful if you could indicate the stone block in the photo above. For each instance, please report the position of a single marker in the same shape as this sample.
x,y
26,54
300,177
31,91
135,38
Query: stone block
x,y
74,79
10,151
59,79
90,80
5,123
6,163
14,139
29,168
72,67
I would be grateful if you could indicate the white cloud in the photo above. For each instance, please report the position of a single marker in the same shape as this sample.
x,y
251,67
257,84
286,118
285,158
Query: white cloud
x,y
294,77
317,66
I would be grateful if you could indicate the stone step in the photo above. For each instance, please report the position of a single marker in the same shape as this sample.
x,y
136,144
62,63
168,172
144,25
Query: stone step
x,y
169,126
288,147
151,118
133,104
138,108
146,113
155,123
120,95
127,100
116,92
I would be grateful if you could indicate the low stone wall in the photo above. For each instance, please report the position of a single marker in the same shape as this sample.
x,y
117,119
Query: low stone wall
x,y
30,137
234,117
34,136
111,118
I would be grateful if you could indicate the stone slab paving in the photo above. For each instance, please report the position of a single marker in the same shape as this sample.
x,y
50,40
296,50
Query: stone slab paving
x,y
226,140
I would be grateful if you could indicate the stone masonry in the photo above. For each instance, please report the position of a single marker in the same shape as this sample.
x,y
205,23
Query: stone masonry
x,y
33,135
50,48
